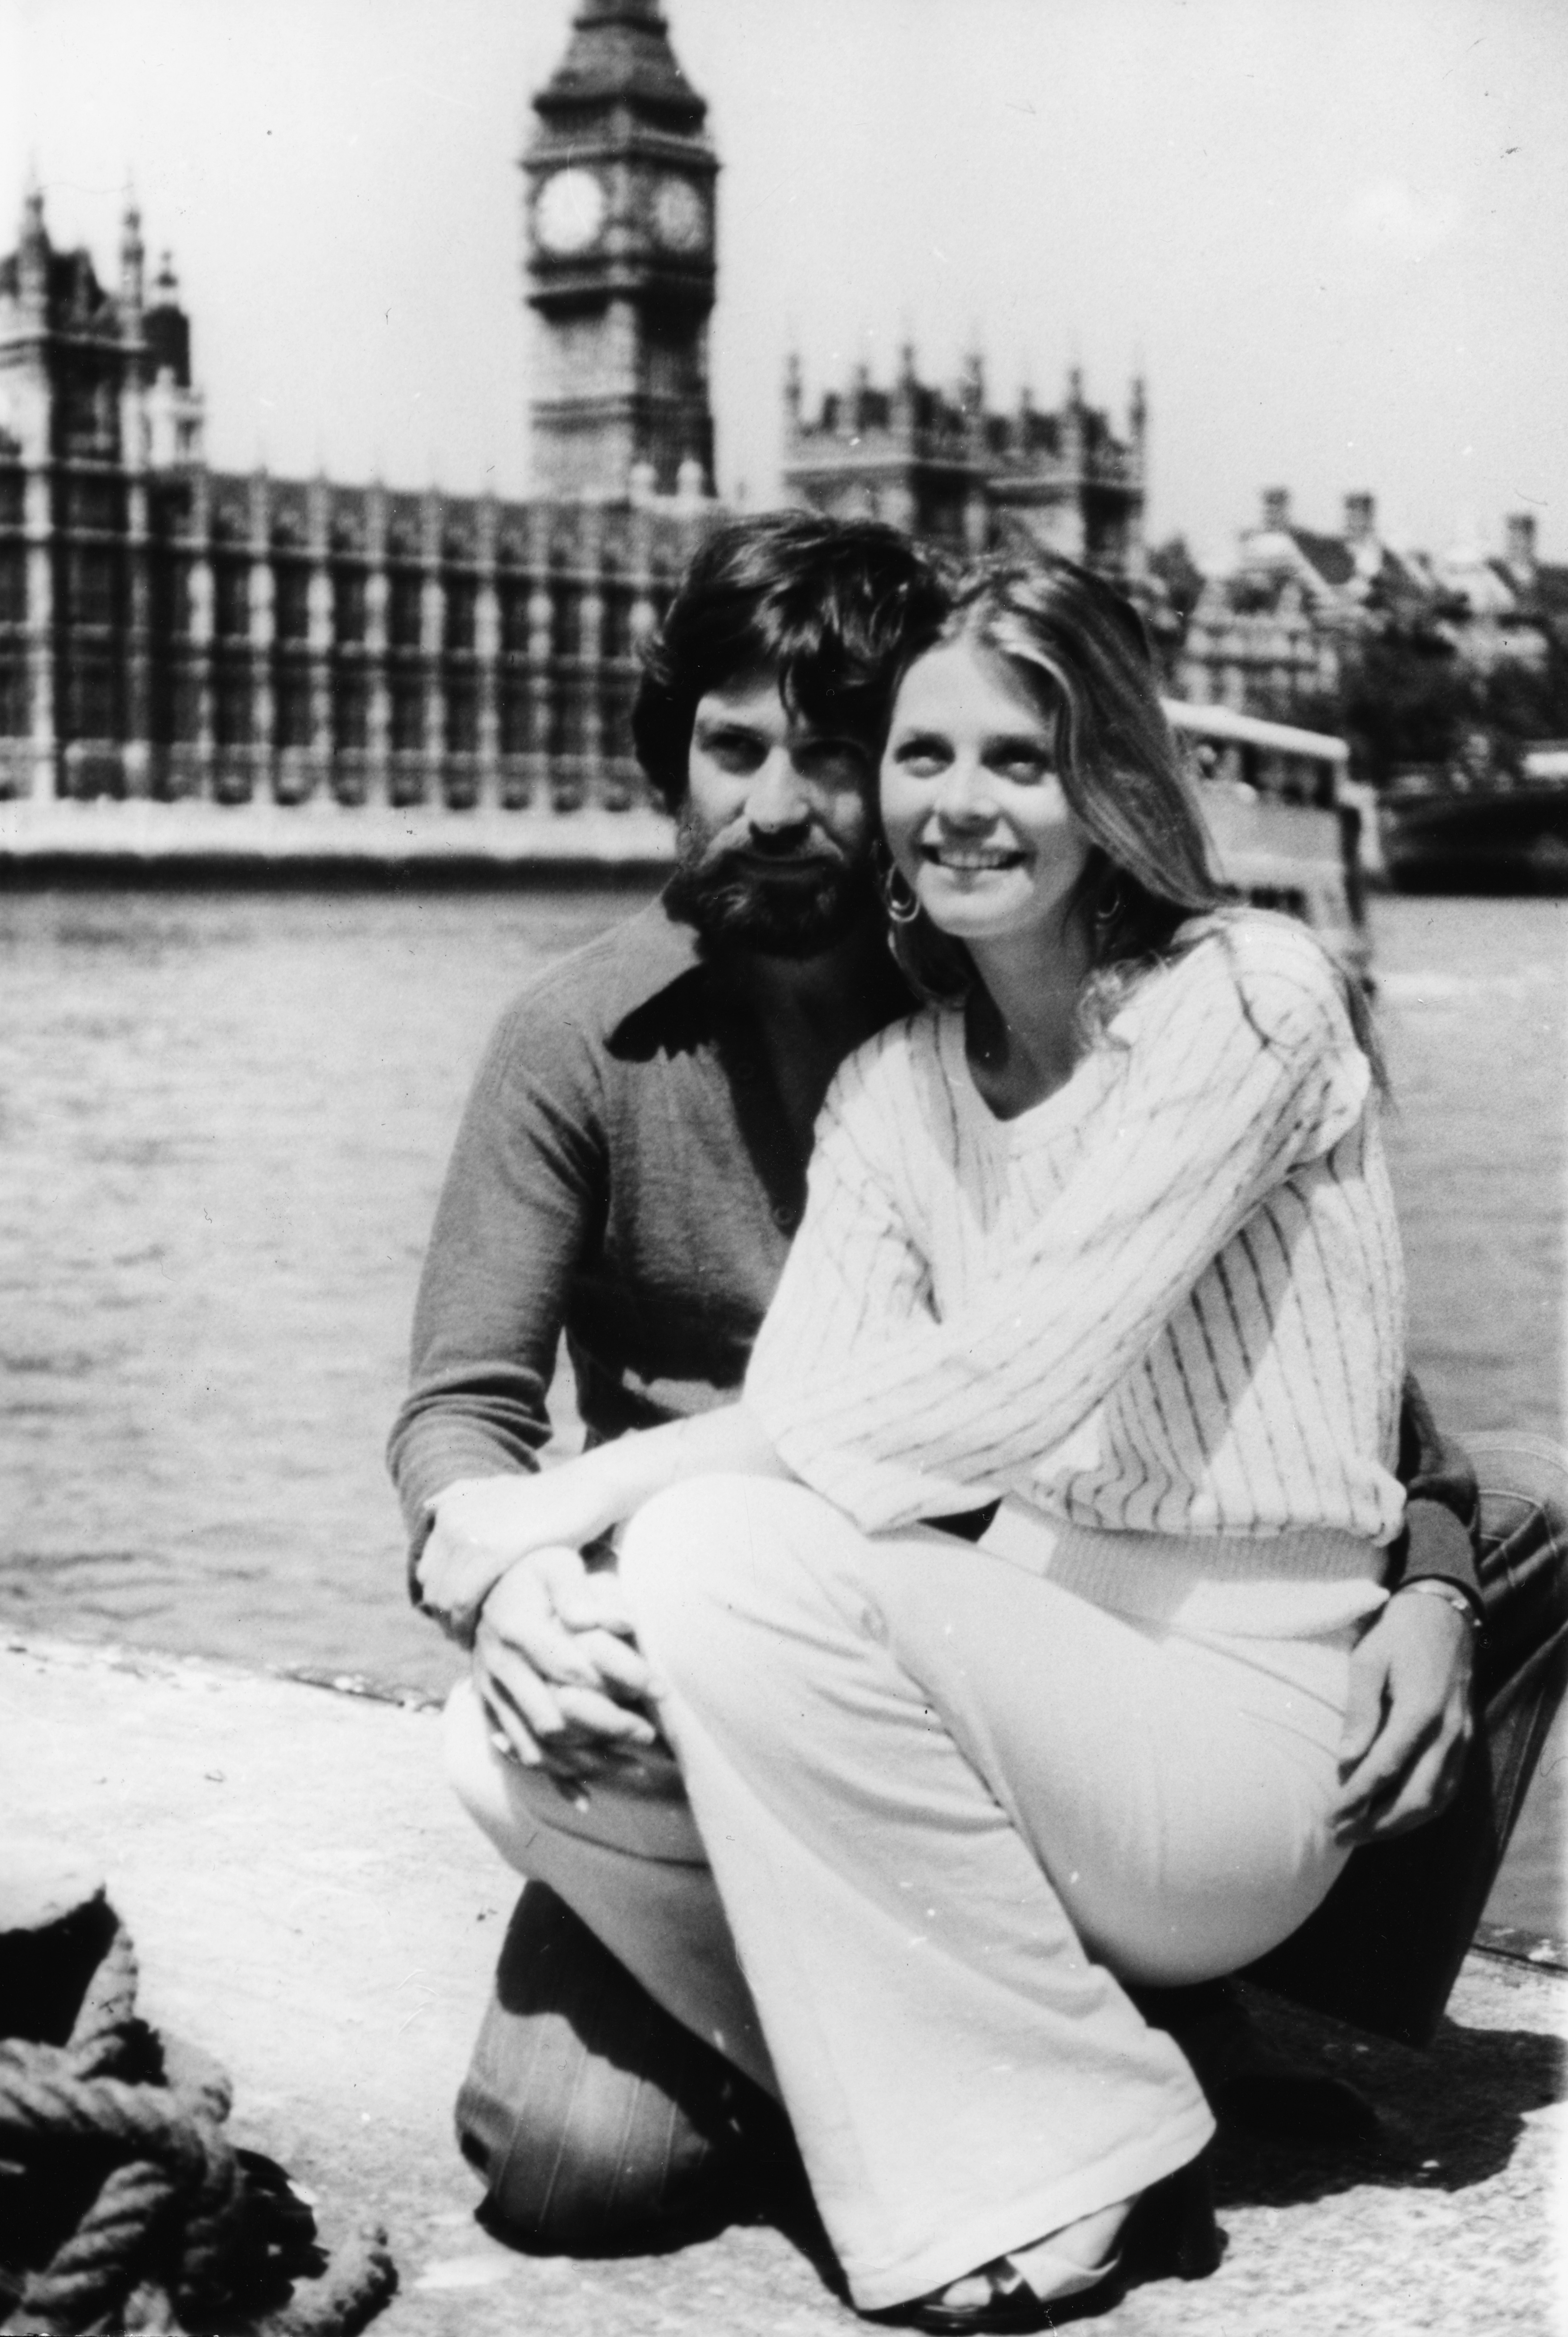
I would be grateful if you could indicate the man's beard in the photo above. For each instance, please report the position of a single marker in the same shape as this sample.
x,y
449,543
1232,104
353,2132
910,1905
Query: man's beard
x,y
736,908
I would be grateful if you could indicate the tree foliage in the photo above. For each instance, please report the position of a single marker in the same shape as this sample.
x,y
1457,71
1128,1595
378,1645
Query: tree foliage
x,y
1408,697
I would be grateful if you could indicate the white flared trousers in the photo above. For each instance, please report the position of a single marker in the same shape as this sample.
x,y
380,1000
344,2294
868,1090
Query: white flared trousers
x,y
949,1806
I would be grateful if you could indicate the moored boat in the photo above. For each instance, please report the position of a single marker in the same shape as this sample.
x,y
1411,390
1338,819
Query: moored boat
x,y
1443,832
1285,823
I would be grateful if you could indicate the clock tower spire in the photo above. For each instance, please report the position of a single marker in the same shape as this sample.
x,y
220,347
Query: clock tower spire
x,y
620,214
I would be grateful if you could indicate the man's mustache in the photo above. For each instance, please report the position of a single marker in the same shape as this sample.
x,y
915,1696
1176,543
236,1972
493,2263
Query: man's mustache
x,y
781,856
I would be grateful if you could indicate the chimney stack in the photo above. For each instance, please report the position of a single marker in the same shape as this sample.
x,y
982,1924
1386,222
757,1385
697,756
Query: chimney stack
x,y
33,251
1360,519
1520,540
132,255
1276,508
794,390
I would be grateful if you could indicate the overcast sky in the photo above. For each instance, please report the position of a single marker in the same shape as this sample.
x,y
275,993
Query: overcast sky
x,y
1332,232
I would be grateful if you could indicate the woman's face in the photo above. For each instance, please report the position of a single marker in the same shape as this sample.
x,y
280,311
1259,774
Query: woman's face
x,y
972,807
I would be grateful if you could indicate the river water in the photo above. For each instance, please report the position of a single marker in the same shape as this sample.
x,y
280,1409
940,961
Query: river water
x,y
223,1119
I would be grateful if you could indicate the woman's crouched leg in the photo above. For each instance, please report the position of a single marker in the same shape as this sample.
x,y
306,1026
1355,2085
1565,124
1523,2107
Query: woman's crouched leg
x,y
600,2117
963,2078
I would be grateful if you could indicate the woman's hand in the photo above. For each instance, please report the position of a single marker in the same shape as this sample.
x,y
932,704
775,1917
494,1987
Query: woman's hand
x,y
481,1526
556,1669
1408,1721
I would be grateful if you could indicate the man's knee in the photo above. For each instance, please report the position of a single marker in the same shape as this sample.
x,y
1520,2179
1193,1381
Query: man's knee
x,y
635,1808
466,1751
1522,1482
1524,1565
597,2121
504,1800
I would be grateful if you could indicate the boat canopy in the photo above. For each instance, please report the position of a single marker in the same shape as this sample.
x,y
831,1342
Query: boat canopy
x,y
1223,724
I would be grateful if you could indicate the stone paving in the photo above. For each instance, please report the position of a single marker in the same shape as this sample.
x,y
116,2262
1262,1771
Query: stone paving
x,y
309,1906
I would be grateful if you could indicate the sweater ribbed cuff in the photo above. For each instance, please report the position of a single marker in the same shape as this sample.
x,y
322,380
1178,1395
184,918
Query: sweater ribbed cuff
x,y
1438,1549
424,1476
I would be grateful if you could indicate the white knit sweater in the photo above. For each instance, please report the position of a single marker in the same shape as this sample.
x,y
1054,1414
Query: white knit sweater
x,y
1166,1300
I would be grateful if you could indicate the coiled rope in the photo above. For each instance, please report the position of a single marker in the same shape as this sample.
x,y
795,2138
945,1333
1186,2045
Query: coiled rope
x,y
125,2206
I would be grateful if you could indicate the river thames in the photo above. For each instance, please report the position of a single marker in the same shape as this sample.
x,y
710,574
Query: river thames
x,y
225,1118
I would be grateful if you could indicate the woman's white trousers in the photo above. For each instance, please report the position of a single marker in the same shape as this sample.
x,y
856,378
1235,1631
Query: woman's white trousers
x,y
949,1806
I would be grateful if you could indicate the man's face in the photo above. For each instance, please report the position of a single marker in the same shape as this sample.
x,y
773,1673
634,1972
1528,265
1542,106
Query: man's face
x,y
773,846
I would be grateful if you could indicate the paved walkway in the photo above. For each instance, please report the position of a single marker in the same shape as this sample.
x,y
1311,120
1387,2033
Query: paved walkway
x,y
309,1906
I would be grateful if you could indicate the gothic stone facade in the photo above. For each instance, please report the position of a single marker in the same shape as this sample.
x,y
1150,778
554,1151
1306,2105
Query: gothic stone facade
x,y
169,630
958,474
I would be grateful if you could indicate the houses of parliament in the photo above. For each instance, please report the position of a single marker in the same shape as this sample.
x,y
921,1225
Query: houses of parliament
x,y
176,632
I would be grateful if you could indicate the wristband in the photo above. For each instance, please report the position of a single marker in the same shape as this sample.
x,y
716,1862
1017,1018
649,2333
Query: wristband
x,y
1436,1586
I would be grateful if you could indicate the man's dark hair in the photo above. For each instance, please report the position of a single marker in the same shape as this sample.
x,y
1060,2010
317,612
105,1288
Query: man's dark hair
x,y
824,604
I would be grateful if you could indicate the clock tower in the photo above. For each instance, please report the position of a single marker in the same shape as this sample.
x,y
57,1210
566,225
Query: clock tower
x,y
620,237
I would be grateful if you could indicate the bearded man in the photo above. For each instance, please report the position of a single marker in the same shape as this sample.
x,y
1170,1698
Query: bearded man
x,y
631,1168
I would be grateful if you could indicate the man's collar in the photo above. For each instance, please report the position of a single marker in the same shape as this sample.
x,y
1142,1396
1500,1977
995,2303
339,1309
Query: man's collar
x,y
660,950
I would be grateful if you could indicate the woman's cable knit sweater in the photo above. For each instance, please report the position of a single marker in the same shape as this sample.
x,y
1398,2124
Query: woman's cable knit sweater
x,y
1166,1301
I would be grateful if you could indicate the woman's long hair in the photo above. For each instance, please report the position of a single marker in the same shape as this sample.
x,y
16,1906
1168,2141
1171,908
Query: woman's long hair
x,y
1079,649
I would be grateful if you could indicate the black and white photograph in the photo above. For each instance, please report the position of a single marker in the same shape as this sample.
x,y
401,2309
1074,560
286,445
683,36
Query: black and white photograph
x,y
784,1118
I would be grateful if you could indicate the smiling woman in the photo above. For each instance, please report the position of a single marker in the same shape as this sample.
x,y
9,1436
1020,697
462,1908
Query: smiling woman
x,y
1040,828
975,817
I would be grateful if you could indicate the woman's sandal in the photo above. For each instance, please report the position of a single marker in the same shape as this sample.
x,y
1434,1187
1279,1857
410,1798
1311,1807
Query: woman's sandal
x,y
1169,2232
1013,2302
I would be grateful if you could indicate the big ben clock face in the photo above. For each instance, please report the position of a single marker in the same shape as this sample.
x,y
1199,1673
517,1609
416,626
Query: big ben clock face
x,y
679,215
569,211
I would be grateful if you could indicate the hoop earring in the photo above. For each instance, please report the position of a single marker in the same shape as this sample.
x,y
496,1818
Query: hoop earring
x,y
898,896
1110,903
